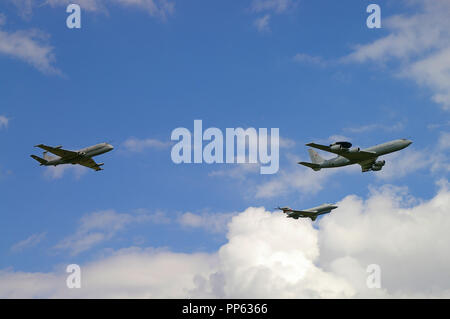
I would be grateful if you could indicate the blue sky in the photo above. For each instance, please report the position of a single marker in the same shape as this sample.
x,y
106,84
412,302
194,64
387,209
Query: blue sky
x,y
134,73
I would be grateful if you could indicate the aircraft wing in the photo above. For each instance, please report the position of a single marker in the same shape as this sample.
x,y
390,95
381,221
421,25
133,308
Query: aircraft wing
x,y
58,151
353,156
89,162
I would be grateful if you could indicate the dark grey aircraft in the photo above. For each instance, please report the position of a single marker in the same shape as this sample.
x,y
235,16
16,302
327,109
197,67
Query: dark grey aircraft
x,y
81,157
308,213
347,155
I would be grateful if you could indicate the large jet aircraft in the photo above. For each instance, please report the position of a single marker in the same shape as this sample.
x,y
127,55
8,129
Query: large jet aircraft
x,y
81,157
347,155
308,213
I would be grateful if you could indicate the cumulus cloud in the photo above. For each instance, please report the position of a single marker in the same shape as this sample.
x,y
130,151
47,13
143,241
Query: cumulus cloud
x,y
269,7
270,256
421,43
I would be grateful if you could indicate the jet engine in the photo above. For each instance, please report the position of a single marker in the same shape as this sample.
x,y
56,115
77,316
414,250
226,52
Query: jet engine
x,y
82,153
378,165
354,150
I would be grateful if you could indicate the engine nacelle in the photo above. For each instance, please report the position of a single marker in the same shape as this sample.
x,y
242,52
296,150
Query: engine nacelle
x,y
82,153
380,163
354,150
376,168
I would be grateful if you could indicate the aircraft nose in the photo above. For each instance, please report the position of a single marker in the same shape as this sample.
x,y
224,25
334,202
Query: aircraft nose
x,y
408,142
110,147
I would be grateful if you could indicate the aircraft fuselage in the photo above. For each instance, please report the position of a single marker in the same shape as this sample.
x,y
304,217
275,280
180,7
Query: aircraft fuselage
x,y
379,150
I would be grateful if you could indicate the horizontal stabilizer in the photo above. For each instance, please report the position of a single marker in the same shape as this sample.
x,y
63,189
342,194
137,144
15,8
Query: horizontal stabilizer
x,y
315,167
40,160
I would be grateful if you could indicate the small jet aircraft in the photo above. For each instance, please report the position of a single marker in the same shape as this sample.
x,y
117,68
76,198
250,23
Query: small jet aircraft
x,y
308,213
347,155
82,157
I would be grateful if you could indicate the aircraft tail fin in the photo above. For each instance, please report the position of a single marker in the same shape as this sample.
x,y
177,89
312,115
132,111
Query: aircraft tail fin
x,y
315,158
315,167
40,160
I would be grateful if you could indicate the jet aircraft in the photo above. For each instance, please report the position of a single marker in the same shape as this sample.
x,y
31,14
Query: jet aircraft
x,y
346,155
82,157
308,213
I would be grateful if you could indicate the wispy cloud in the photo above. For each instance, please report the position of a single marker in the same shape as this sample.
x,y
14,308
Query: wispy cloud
x,y
371,127
57,172
420,42
156,8
30,46
262,24
31,241
4,121
211,222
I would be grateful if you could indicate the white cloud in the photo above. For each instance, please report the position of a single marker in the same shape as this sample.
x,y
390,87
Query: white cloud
x,y
98,227
444,141
57,172
29,242
270,256
138,145
278,6
269,7
309,59
4,121
262,24
421,43
236,171
295,179
155,8
372,127
29,46
241,170
2,19
435,159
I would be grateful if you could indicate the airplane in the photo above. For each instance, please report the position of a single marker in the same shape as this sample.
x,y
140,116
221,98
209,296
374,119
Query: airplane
x,y
82,157
346,155
308,213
